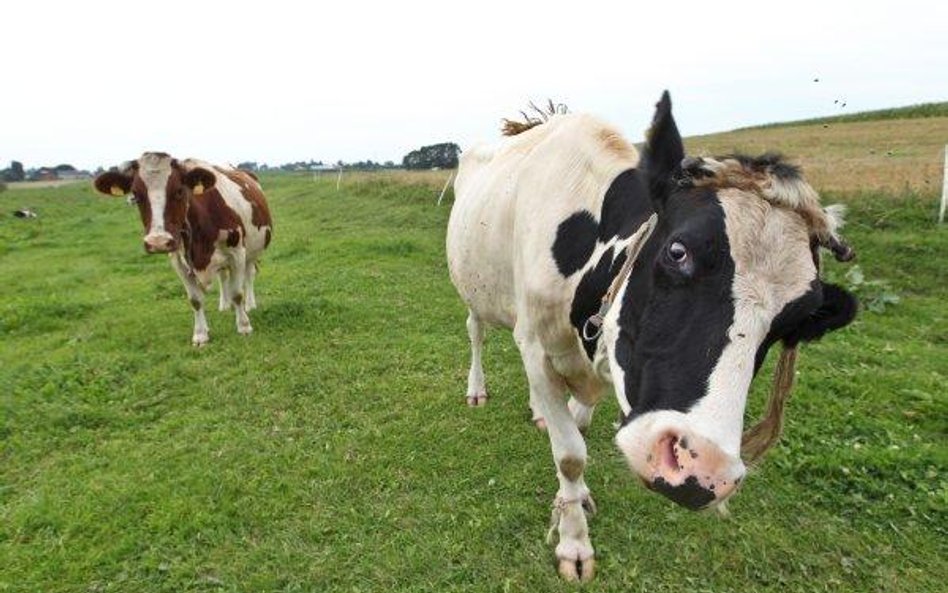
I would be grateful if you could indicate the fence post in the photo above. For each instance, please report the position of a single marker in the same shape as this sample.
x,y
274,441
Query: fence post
x,y
339,179
944,189
445,188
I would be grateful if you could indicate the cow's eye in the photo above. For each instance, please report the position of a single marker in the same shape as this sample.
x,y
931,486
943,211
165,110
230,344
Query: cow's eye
x,y
677,252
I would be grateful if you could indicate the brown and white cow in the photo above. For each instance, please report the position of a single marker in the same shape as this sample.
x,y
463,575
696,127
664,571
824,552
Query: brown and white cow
x,y
213,221
667,278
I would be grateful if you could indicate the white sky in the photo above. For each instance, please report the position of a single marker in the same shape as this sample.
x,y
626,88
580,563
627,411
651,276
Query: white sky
x,y
95,82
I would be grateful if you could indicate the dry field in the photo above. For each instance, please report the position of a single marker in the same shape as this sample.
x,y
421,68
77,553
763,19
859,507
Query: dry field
x,y
889,155
893,156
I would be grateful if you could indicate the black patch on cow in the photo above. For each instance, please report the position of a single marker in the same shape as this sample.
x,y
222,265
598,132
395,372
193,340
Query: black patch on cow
x,y
837,310
669,345
624,207
575,242
589,291
792,314
689,494
822,309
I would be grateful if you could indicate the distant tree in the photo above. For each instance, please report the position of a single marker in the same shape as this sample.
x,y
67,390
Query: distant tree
x,y
444,156
247,165
14,173
64,167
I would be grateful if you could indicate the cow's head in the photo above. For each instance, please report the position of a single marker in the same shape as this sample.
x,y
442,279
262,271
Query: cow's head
x,y
731,269
163,188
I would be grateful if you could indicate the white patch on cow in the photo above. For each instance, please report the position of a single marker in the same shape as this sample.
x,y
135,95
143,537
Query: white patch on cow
x,y
154,171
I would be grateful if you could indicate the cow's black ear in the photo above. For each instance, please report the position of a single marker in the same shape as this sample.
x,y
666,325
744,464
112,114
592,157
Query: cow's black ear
x,y
664,151
199,179
113,183
838,310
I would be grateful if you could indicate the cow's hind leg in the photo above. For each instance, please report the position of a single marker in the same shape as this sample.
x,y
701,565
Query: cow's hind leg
x,y
223,282
196,297
236,276
574,551
251,274
582,413
476,389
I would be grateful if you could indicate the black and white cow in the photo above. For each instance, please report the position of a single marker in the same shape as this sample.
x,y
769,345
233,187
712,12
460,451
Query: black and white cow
x,y
541,228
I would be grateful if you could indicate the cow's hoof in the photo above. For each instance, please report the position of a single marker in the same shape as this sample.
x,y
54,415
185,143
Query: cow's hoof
x,y
244,330
540,423
478,399
199,340
577,570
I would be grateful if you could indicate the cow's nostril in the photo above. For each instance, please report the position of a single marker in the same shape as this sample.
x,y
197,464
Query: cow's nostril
x,y
669,452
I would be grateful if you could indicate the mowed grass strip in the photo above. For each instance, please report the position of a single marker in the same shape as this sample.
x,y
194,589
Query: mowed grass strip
x,y
331,450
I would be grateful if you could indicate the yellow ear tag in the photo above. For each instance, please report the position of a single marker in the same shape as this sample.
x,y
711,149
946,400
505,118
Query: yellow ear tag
x,y
116,191
198,189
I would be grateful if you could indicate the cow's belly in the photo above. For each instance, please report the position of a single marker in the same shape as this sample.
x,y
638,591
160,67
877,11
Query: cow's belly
x,y
255,240
480,257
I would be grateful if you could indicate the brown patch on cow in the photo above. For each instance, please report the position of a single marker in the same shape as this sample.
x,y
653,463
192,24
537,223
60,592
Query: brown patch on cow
x,y
208,216
266,240
238,299
251,191
140,192
196,304
615,143
572,467
176,203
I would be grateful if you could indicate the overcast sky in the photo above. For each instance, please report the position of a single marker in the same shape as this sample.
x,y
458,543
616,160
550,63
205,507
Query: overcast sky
x,y
94,82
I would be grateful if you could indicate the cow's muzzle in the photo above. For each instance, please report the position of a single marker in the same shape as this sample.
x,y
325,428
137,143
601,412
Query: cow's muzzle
x,y
689,469
160,243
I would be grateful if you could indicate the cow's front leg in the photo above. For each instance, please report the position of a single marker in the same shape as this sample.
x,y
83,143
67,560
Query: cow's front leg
x,y
574,551
235,277
195,292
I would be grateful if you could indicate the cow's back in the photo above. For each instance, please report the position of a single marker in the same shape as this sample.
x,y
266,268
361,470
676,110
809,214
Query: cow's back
x,y
510,199
242,193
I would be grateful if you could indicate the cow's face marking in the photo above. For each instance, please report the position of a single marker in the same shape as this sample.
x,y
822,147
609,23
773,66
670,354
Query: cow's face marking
x,y
157,184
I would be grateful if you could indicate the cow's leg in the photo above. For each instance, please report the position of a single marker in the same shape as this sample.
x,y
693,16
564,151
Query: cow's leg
x,y
574,551
224,284
236,275
581,413
249,296
476,389
196,297
536,413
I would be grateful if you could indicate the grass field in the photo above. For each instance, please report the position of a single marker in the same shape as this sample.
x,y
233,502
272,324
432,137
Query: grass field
x,y
331,450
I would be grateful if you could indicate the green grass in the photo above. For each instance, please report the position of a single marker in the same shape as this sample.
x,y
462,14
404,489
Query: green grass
x,y
331,450
922,110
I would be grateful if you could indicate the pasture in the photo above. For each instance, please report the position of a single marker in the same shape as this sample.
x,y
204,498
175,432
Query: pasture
x,y
331,450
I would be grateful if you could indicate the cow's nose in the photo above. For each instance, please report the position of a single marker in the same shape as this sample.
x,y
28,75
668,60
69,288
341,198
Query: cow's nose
x,y
159,243
692,470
